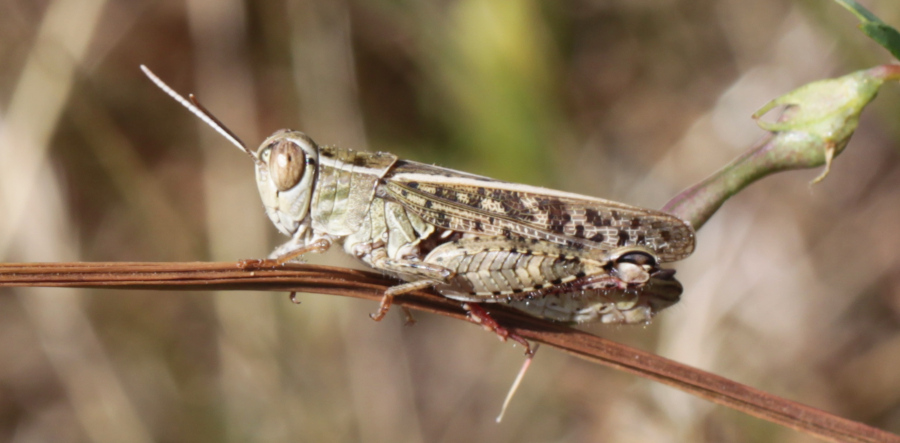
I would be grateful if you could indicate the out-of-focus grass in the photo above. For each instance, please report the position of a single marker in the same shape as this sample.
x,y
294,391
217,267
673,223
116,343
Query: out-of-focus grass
x,y
791,290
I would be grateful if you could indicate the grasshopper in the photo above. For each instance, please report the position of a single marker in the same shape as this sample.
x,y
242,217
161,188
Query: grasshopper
x,y
555,255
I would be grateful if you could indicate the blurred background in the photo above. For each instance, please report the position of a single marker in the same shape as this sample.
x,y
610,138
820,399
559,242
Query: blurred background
x,y
793,290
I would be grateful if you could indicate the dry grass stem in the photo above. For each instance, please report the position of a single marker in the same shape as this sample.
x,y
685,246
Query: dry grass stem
x,y
370,286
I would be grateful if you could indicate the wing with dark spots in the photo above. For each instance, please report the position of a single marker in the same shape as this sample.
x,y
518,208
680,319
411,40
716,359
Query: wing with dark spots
x,y
469,203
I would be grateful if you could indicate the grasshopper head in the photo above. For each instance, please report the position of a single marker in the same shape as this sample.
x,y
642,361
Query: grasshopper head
x,y
285,173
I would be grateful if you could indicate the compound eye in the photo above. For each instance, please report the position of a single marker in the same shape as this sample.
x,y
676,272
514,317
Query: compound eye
x,y
286,164
637,257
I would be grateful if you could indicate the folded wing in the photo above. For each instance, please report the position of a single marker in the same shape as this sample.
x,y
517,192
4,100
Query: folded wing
x,y
469,203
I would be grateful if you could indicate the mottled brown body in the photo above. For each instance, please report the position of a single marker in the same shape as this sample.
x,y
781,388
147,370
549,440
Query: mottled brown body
x,y
552,254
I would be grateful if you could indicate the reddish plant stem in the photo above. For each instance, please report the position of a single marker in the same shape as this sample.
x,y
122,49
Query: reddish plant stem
x,y
370,286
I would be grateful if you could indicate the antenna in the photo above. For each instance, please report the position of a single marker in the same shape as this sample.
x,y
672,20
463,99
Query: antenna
x,y
197,109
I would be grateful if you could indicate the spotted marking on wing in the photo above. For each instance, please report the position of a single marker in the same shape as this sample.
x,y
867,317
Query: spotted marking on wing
x,y
468,203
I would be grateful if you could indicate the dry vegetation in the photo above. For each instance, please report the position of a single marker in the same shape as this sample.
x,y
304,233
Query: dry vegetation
x,y
792,290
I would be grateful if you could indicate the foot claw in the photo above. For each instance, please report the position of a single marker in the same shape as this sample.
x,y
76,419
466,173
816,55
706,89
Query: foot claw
x,y
384,307
479,315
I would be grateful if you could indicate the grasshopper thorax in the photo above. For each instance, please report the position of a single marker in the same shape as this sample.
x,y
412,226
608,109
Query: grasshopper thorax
x,y
285,173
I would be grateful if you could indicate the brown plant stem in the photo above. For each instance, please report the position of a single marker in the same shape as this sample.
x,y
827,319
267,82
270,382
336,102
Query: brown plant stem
x,y
370,286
